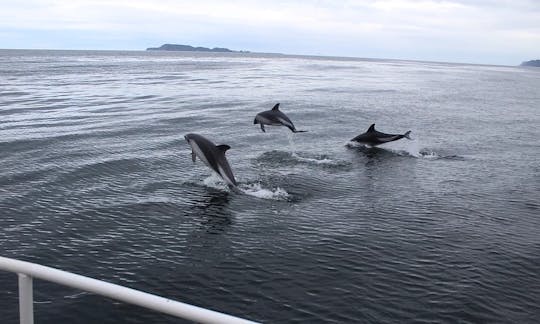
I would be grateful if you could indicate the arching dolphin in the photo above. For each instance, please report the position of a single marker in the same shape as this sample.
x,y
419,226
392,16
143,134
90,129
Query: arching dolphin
x,y
212,155
373,138
275,117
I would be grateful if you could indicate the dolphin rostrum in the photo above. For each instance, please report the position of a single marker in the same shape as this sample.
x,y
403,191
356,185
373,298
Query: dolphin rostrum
x,y
212,155
275,117
373,137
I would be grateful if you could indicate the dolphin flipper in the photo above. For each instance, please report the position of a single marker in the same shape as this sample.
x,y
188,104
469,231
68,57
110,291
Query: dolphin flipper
x,y
193,156
262,128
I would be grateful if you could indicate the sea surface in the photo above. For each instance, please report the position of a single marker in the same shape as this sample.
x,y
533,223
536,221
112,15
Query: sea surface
x,y
97,179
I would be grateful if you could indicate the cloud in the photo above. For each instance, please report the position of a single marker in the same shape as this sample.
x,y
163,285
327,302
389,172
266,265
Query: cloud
x,y
391,28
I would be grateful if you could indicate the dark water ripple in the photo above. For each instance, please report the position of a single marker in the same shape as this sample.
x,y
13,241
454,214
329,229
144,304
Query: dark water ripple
x,y
96,178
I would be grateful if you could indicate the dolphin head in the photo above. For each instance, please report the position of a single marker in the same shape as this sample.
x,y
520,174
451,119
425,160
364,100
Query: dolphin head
x,y
188,137
256,120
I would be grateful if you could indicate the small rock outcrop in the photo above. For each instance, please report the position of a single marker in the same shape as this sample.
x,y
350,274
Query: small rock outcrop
x,y
187,48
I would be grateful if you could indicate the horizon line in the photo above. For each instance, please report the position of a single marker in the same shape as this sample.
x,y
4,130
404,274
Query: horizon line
x,y
247,52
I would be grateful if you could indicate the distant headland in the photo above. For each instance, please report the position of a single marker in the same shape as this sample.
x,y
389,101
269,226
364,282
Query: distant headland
x,y
188,48
531,63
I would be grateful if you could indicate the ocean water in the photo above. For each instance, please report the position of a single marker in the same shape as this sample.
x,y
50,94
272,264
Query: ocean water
x,y
96,178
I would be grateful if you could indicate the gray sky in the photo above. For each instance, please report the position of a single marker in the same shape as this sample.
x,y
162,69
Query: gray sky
x,y
477,31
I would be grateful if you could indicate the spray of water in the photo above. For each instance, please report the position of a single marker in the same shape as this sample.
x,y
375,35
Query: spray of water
x,y
297,156
409,148
292,145
215,182
413,148
250,189
256,190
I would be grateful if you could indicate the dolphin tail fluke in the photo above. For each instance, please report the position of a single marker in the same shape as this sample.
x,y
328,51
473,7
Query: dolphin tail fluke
x,y
406,135
293,129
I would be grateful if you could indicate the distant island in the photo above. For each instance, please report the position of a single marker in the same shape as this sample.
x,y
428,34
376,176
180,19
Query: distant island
x,y
188,48
531,63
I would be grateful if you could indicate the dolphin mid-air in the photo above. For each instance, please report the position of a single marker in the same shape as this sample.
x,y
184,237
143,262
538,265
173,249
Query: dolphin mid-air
x,y
275,117
373,137
212,155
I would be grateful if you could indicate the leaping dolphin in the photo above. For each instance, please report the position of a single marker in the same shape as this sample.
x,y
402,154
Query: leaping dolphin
x,y
275,117
212,155
373,137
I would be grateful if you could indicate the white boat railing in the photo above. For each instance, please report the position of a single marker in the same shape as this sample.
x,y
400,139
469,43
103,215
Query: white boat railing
x,y
27,270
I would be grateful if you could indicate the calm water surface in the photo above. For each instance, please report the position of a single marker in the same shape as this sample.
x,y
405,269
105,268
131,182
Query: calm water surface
x,y
96,178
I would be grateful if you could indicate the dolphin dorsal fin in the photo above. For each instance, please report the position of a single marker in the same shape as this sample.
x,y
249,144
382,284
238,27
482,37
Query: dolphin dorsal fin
x,y
276,106
223,148
371,128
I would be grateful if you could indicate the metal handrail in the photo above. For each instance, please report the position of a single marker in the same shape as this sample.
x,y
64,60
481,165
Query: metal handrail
x,y
27,270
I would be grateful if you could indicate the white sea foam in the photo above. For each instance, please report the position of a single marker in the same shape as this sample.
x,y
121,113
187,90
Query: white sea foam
x,y
256,190
354,144
429,154
214,181
411,148
252,189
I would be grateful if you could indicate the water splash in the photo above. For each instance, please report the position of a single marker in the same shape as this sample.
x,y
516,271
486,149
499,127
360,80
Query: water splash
x,y
292,145
351,144
409,148
214,181
256,190
427,154
413,148
250,189
313,160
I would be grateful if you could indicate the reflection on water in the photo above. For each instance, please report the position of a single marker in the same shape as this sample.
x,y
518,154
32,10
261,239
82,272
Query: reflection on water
x,y
212,209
